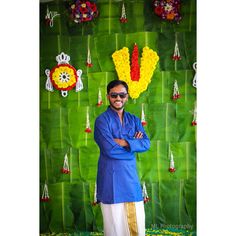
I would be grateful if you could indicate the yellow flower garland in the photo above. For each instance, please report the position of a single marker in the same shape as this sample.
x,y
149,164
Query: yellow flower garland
x,y
121,59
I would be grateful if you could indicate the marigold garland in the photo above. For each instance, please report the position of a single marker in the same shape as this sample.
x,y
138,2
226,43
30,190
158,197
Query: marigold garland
x,y
121,59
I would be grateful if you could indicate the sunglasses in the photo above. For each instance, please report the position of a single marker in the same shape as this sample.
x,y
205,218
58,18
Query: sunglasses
x,y
115,95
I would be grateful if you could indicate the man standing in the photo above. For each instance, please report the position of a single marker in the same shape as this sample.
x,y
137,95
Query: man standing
x,y
119,135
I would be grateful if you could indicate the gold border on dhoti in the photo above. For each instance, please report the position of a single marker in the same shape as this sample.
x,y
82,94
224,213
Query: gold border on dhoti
x,y
131,218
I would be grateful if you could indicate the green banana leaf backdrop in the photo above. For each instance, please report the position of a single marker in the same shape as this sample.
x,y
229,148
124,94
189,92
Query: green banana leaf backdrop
x,y
63,119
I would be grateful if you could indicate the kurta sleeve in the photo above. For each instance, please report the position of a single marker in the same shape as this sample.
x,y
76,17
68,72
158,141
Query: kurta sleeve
x,y
139,145
106,143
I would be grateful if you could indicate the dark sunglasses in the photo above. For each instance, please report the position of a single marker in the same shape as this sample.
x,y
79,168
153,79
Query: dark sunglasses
x,y
115,95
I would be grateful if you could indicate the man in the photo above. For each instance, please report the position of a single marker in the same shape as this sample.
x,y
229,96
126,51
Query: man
x,y
119,136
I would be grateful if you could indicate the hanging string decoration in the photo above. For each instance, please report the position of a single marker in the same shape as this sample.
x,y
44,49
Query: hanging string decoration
x,y
167,9
50,15
95,202
123,18
65,169
100,102
63,77
195,76
176,55
89,60
176,93
194,121
137,81
172,163
87,129
45,195
144,193
83,11
143,120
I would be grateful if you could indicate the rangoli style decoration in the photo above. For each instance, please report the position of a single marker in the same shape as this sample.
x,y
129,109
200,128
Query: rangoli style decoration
x,y
137,77
83,11
123,18
50,15
65,169
176,93
63,77
167,9
143,120
45,195
144,193
172,163
195,76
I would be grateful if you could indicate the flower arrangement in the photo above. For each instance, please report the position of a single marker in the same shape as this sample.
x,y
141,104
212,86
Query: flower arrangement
x,y
167,9
121,59
82,11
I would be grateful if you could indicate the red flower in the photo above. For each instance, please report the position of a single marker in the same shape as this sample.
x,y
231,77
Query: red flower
x,y
144,123
135,69
99,104
172,169
146,199
123,20
44,199
89,64
65,171
194,123
159,10
88,130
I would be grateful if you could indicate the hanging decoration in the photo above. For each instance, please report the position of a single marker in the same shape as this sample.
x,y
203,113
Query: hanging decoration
x,y
172,163
123,18
176,93
65,169
194,121
89,60
88,129
129,74
63,77
45,195
195,76
100,102
176,56
83,11
144,193
95,202
167,9
50,15
143,121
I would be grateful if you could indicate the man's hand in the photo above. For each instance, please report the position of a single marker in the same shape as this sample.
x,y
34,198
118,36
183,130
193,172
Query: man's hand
x,y
138,134
121,142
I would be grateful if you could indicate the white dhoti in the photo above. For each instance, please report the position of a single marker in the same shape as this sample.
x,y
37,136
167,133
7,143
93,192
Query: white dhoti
x,y
124,219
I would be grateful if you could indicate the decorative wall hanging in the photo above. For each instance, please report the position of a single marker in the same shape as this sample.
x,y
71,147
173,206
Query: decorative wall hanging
x,y
63,77
50,15
167,9
99,103
45,195
66,168
143,121
95,202
176,93
89,60
195,76
176,55
83,11
136,84
145,195
194,121
172,163
123,18
88,129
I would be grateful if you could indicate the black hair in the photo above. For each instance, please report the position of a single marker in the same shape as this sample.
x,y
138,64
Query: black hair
x,y
115,83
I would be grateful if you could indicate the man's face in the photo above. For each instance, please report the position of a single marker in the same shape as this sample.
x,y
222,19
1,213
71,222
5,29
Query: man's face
x,y
118,97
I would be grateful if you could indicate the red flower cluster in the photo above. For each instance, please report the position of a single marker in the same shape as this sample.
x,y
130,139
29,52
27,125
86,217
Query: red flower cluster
x,y
176,58
82,11
88,130
144,123
89,64
65,171
135,68
172,169
194,123
167,9
44,199
99,103
146,199
176,96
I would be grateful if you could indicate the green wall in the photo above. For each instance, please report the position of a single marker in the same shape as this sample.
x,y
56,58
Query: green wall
x,y
63,120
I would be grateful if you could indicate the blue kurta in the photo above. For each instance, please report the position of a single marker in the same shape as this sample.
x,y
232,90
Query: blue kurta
x,y
117,178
